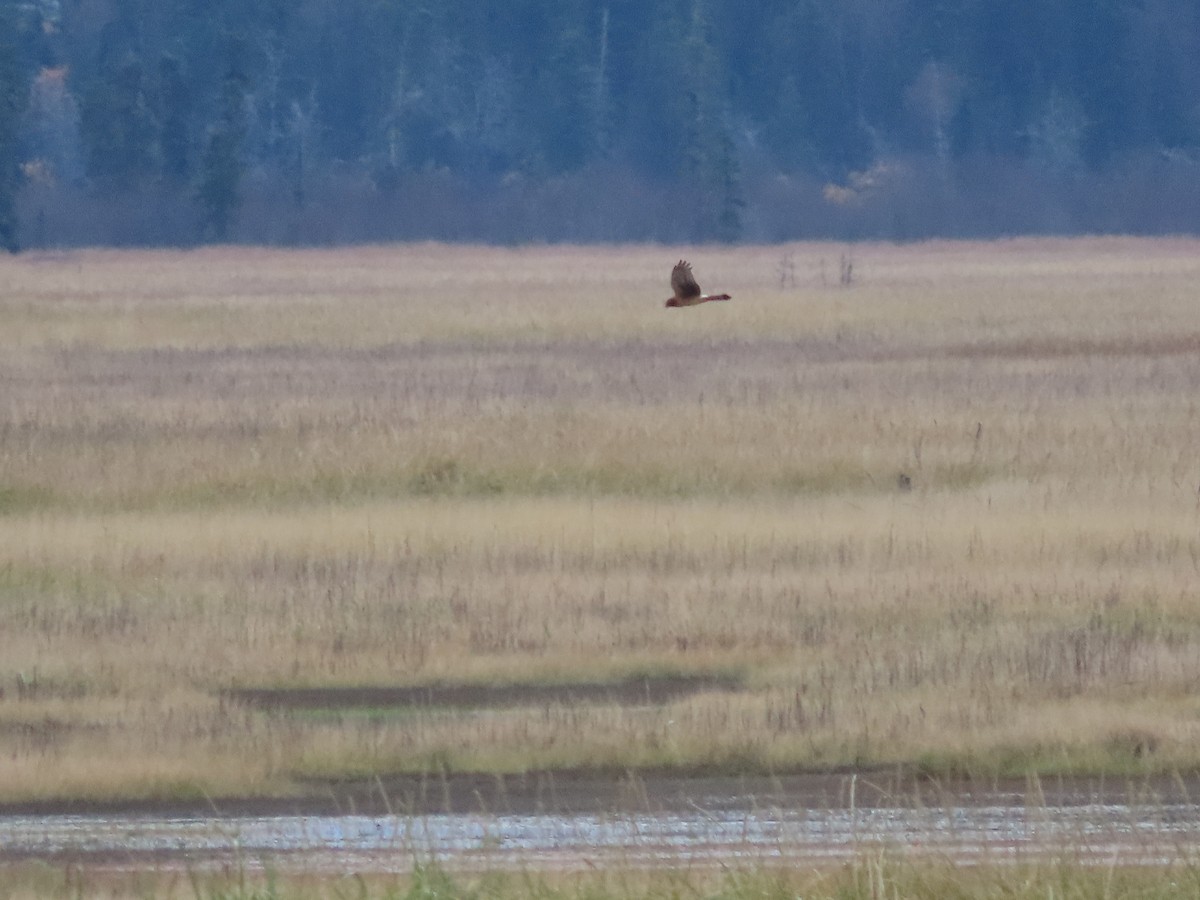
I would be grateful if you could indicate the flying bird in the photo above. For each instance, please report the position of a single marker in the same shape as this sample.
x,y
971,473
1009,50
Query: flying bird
x,y
687,292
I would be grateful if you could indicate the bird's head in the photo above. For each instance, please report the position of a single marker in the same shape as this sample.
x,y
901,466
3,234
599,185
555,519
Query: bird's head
x,y
673,302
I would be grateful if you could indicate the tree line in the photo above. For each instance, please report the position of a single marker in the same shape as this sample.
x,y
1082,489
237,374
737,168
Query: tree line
x,y
324,121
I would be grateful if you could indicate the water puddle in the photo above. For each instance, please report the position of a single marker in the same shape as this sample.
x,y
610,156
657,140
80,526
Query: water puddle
x,y
717,830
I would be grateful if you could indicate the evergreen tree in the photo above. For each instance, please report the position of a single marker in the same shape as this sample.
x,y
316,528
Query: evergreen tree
x,y
222,167
174,111
566,88
118,127
14,94
710,156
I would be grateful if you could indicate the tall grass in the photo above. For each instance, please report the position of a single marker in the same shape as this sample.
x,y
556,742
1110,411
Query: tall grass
x,y
947,516
870,878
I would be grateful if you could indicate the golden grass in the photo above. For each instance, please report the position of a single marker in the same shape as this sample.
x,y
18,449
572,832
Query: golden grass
x,y
394,465
873,875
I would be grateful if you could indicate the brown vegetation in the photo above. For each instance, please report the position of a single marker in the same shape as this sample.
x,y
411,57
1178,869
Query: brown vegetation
x,y
399,466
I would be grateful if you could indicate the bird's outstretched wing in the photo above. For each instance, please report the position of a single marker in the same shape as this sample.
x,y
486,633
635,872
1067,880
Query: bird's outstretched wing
x,y
683,282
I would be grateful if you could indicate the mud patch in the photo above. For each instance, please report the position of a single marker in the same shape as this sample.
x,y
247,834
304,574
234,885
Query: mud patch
x,y
637,691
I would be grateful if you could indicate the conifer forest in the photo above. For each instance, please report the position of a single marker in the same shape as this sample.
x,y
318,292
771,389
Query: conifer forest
x,y
313,122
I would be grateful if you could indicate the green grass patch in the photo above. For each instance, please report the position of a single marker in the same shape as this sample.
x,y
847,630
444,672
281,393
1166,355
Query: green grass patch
x,y
1126,754
16,499
450,477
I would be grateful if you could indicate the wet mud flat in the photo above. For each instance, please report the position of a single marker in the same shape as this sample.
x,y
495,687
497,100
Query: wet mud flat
x,y
648,822
652,690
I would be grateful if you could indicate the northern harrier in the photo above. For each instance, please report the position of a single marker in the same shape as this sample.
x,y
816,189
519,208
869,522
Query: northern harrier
x,y
687,292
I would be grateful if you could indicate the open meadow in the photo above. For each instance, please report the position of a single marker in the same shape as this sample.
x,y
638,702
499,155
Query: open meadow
x,y
872,878
253,502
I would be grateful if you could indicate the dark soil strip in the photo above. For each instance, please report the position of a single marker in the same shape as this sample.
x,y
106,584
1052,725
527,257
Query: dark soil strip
x,y
655,690
608,793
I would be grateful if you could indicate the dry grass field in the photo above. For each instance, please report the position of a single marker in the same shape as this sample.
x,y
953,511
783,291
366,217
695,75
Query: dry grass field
x,y
946,516
874,877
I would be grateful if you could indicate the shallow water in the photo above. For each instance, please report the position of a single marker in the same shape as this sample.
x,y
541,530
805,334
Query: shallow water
x,y
717,830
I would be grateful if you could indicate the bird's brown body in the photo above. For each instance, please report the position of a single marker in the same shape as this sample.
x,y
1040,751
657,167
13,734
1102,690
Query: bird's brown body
x,y
687,291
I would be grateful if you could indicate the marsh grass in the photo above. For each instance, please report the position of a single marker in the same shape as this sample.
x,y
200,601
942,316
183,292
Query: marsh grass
x,y
870,877
946,517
